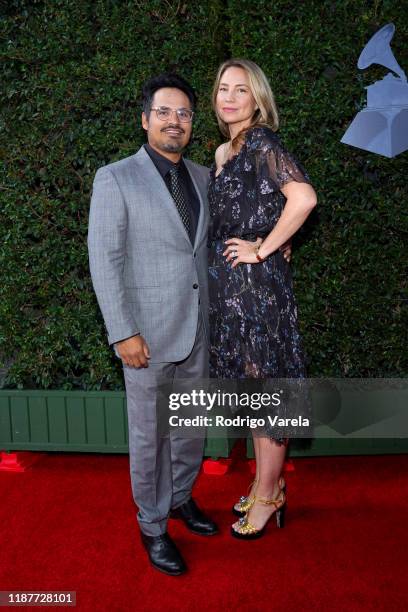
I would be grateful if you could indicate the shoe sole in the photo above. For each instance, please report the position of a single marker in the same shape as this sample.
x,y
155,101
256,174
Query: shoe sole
x,y
202,534
176,518
252,536
163,571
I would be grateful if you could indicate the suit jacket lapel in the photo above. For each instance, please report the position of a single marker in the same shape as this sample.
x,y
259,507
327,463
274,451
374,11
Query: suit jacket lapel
x,y
200,223
155,183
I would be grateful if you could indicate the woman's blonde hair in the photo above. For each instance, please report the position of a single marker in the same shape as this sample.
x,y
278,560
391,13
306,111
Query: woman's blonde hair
x,y
267,113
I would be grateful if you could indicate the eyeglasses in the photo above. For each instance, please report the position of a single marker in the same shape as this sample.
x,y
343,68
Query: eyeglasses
x,y
163,113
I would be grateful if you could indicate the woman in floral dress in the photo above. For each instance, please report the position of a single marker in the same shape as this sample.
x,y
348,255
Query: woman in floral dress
x,y
259,196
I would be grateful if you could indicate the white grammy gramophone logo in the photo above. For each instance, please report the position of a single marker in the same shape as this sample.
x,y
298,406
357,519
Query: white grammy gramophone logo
x,y
382,126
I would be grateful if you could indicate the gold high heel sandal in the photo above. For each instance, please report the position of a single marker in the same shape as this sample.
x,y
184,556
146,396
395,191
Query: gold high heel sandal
x,y
247,531
246,502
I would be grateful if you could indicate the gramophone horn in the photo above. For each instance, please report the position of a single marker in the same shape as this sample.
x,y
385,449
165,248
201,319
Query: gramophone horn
x,y
378,51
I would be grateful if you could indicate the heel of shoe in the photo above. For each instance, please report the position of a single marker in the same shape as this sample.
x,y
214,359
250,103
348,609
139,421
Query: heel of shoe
x,y
280,516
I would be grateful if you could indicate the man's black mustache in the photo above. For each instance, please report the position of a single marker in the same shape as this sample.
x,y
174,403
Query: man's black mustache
x,y
173,127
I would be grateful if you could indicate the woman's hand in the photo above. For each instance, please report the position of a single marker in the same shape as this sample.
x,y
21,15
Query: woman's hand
x,y
241,251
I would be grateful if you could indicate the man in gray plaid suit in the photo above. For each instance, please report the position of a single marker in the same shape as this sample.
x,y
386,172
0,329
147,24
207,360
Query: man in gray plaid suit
x,y
147,245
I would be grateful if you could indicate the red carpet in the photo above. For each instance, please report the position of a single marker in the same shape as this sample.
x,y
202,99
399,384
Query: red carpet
x,y
69,524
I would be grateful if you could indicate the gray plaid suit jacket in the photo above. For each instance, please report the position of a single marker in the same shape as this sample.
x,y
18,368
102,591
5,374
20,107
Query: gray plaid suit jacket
x,y
147,276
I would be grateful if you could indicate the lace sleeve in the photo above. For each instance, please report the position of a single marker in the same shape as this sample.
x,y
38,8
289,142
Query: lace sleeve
x,y
283,167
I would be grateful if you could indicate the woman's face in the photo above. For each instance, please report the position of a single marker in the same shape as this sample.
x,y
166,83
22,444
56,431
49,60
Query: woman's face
x,y
235,102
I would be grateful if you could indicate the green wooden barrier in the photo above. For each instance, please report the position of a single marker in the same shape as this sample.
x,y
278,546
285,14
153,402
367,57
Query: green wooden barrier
x,y
76,421
96,421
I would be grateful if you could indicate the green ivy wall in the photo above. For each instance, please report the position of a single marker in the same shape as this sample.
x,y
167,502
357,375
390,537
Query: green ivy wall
x,y
71,75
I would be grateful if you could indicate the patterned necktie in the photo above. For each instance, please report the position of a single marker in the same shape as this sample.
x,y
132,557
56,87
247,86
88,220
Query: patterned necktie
x,y
178,197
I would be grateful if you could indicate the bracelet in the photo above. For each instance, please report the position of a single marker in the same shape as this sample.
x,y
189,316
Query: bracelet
x,y
259,258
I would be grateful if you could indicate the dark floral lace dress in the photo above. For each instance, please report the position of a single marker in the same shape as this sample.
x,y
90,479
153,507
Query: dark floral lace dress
x,y
253,314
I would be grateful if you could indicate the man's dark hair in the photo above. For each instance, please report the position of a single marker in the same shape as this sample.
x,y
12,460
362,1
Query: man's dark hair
x,y
167,79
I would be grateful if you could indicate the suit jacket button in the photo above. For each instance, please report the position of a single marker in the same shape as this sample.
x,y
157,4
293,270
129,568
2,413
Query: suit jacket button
x,y
195,286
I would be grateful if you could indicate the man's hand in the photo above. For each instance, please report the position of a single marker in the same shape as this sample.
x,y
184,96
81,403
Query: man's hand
x,y
134,352
287,250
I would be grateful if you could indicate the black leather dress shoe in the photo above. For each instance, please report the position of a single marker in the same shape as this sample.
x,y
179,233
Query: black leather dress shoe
x,y
194,519
164,554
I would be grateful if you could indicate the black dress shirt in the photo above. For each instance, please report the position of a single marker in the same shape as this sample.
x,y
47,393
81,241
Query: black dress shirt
x,y
164,165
